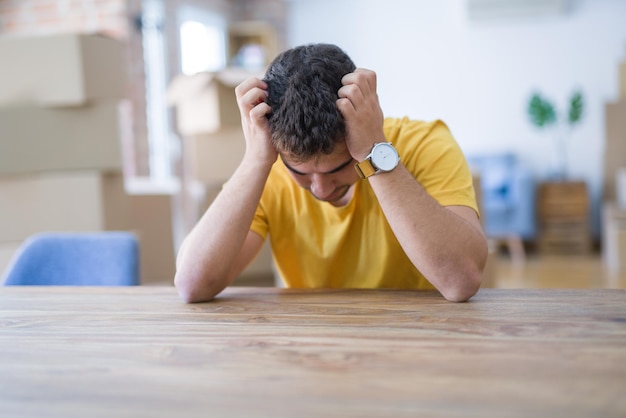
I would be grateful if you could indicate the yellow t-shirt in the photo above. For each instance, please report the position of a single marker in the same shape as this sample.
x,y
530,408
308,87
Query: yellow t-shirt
x,y
315,244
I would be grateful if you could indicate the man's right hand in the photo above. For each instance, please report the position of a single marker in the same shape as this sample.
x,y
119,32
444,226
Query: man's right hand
x,y
251,95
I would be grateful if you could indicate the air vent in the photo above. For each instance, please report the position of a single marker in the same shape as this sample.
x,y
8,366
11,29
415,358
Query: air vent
x,y
513,9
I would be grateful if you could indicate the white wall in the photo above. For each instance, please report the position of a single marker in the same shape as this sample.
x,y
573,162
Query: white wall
x,y
432,62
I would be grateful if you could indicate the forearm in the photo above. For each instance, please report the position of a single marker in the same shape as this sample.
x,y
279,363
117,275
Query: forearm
x,y
449,250
210,255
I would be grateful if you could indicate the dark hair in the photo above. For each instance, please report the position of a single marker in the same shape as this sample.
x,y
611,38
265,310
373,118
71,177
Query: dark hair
x,y
302,86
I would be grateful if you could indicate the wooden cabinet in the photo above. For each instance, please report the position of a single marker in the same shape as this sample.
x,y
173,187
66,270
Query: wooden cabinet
x,y
563,210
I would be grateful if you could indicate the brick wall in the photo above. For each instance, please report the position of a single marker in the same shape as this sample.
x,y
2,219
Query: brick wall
x,y
42,17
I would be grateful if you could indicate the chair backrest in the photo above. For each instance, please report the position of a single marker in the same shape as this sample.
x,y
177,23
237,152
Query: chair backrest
x,y
104,258
496,174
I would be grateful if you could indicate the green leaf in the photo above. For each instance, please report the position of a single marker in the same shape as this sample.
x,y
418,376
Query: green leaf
x,y
576,106
541,111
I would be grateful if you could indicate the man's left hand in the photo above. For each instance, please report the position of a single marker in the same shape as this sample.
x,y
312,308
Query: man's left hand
x,y
359,106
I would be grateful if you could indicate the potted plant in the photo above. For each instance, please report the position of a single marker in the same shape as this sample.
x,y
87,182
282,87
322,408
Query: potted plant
x,y
543,115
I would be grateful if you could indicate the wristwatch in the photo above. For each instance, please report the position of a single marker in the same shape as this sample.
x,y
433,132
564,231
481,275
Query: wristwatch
x,y
383,158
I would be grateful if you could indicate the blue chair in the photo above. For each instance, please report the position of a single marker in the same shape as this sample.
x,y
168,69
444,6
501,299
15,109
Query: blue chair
x,y
107,258
507,198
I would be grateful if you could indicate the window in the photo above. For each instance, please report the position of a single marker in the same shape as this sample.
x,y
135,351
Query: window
x,y
202,41
201,47
157,116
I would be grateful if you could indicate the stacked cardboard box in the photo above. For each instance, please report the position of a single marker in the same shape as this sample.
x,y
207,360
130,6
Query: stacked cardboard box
x,y
61,70
36,139
622,80
63,120
614,215
207,118
615,145
614,241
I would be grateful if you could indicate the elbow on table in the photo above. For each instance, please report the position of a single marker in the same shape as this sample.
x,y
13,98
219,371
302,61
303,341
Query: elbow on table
x,y
468,276
464,289
193,290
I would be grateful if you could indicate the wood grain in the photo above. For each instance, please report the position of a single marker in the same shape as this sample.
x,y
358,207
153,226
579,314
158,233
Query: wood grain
x,y
256,352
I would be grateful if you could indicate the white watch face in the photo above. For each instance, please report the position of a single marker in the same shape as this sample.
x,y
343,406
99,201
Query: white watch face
x,y
384,156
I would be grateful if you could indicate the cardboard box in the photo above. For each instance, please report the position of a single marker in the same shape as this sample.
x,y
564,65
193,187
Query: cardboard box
x,y
205,102
150,217
212,158
615,146
63,201
62,70
622,81
39,139
7,252
614,239
620,188
89,201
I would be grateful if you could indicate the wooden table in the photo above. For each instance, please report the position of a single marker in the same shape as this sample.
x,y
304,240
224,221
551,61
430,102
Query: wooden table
x,y
256,352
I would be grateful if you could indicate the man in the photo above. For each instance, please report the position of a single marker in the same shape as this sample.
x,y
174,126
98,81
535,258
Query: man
x,y
321,176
